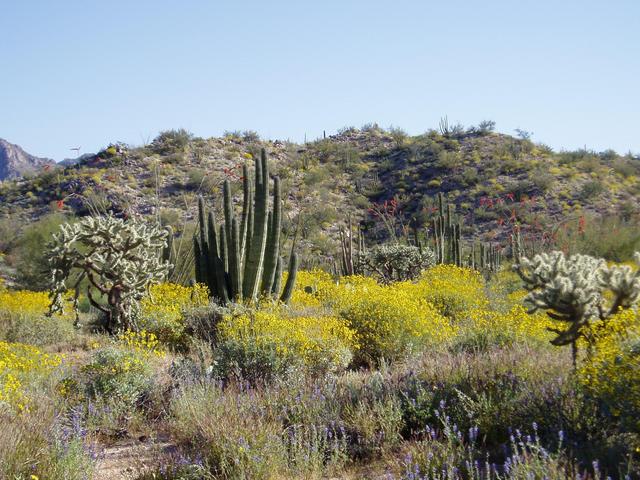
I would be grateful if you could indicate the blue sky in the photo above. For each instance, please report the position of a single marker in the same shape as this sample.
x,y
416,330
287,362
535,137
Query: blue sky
x,y
85,73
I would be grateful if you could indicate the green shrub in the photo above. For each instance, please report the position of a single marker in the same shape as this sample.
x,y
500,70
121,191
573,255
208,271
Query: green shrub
x,y
245,360
171,141
29,253
591,189
37,330
38,444
114,371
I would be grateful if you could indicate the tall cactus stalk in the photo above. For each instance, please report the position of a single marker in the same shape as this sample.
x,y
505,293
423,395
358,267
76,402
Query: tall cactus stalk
x,y
447,234
448,245
240,259
351,259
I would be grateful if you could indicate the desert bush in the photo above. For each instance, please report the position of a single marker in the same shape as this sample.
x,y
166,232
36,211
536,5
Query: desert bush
x,y
38,330
390,322
453,291
268,344
610,237
448,160
23,319
42,444
611,371
240,435
163,309
171,141
113,389
118,372
591,189
543,181
29,253
8,233
20,366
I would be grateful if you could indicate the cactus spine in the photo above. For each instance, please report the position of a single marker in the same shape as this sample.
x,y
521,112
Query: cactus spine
x,y
242,260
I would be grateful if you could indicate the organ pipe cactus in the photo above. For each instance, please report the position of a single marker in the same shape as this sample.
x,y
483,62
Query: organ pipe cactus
x,y
447,234
448,244
239,260
577,291
351,264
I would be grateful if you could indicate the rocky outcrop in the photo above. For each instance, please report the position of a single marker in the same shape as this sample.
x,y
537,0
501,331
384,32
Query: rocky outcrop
x,y
15,162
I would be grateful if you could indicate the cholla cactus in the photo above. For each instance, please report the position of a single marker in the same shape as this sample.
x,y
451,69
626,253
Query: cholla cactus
x,y
572,290
624,283
117,260
397,262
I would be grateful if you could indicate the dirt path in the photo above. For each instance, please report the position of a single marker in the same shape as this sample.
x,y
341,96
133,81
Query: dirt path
x,y
126,459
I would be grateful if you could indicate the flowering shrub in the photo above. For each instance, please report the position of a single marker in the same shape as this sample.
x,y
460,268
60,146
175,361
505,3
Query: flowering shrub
x,y
19,365
23,318
485,328
452,290
317,343
391,322
116,372
313,289
143,343
612,371
23,302
162,310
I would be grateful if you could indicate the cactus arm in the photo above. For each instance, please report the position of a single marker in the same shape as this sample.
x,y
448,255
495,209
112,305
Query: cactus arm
x,y
277,284
291,279
247,199
255,259
234,263
272,252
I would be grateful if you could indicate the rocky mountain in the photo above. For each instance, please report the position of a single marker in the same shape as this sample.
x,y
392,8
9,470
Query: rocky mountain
x,y
15,162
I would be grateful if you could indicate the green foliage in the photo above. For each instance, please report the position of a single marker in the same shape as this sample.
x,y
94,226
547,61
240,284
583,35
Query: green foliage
x,y
116,372
171,141
591,189
29,252
38,445
37,330
255,363
611,237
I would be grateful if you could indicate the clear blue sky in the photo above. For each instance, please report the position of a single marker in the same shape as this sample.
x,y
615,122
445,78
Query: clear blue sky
x,y
87,72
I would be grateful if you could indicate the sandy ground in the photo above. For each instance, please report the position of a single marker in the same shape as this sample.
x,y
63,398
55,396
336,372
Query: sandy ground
x,y
126,459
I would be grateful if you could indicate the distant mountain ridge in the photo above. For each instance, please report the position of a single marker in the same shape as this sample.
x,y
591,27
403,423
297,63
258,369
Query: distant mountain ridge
x,y
15,162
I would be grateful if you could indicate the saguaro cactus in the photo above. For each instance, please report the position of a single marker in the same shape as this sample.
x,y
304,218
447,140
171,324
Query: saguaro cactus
x,y
240,260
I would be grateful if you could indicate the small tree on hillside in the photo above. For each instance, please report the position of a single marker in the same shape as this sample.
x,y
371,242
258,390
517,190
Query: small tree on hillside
x,y
116,259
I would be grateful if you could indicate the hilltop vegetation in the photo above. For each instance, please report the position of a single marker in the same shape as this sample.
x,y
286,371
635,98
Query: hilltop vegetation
x,y
495,181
